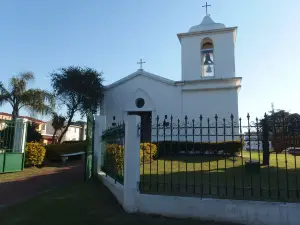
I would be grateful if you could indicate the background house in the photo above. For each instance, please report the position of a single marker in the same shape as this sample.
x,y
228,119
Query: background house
x,y
76,131
40,125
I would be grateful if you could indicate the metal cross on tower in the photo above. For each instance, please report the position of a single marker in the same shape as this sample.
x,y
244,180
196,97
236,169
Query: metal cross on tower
x,y
206,7
141,63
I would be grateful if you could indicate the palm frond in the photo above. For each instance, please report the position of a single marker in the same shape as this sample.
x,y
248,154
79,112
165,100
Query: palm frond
x,y
58,122
38,100
3,90
5,96
27,76
18,84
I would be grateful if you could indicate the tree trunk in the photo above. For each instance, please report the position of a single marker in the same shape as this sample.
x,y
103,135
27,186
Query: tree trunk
x,y
53,136
67,127
266,158
15,112
266,150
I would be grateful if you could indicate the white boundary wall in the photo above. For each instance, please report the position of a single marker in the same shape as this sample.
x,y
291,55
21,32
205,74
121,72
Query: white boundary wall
x,y
239,211
116,188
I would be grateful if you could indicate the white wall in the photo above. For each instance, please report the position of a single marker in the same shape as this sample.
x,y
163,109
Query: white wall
x,y
163,99
224,58
222,102
49,128
245,212
222,210
119,99
116,188
73,134
254,145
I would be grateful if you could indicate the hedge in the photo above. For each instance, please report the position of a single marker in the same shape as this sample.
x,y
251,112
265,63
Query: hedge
x,y
55,150
148,151
280,142
35,154
173,148
114,158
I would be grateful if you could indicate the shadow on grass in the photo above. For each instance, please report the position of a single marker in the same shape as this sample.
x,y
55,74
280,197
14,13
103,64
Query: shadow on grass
x,y
83,203
27,184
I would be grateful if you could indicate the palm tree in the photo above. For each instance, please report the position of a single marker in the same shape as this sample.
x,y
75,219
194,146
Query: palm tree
x,y
18,96
58,123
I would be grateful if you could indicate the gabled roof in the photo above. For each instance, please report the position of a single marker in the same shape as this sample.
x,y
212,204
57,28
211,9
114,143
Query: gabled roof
x,y
144,73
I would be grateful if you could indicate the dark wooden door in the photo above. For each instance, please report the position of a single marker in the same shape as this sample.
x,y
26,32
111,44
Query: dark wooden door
x,y
146,125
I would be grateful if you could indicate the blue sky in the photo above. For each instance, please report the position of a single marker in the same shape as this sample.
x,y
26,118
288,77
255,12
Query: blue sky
x,y
112,35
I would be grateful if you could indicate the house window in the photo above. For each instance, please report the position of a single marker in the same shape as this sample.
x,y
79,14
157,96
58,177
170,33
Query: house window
x,y
207,58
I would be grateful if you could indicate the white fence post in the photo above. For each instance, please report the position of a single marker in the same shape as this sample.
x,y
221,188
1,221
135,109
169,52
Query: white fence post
x,y
20,135
100,125
131,163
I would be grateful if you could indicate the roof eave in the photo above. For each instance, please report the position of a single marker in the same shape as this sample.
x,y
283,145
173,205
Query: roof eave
x,y
188,34
142,73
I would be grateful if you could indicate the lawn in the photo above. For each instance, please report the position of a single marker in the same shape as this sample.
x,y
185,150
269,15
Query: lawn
x,y
217,176
79,204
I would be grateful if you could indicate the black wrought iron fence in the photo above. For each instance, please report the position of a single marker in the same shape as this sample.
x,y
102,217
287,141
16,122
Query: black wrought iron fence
x,y
7,129
222,157
113,154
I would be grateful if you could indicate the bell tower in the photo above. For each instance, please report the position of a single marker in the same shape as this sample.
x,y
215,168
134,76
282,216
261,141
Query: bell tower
x,y
207,51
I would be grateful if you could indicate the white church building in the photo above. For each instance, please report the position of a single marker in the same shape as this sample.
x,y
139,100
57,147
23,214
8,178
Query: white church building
x,y
208,84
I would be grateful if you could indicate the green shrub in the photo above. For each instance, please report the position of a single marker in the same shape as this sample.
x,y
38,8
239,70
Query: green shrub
x,y
55,150
148,151
173,148
281,141
35,154
114,159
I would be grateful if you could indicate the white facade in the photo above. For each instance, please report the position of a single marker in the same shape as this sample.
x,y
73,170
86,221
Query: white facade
x,y
73,134
195,94
223,40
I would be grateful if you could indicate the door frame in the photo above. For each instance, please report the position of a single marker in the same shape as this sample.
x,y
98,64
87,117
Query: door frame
x,y
136,112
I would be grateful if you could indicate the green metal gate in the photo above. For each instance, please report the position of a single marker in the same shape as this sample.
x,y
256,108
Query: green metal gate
x,y
12,145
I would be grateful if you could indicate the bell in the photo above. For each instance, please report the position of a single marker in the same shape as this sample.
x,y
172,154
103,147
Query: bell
x,y
208,70
207,61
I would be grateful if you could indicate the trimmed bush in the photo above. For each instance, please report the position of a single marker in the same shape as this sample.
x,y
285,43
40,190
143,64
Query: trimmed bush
x,y
148,151
173,148
55,150
35,154
114,159
280,142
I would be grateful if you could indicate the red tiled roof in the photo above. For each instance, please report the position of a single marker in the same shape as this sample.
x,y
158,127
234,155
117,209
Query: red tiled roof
x,y
5,114
24,117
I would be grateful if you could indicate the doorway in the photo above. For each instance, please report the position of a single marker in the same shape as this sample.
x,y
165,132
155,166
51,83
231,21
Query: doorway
x,y
146,125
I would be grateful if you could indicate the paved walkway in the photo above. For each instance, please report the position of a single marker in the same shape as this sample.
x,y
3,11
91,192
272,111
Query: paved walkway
x,y
35,181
